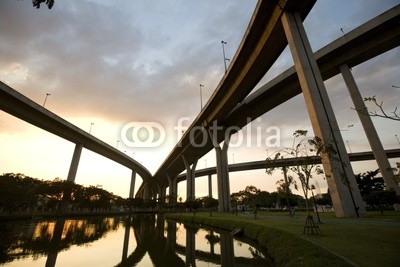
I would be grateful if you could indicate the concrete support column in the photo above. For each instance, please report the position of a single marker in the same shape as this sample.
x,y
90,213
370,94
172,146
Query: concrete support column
x,y
190,176
74,163
172,184
369,129
209,185
227,250
146,191
190,247
223,175
161,193
342,184
132,187
126,238
171,237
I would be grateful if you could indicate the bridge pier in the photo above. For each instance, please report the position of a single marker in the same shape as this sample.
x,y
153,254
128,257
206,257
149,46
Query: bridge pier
x,y
370,131
227,250
126,238
132,186
74,163
190,247
146,194
171,236
190,178
223,175
210,185
345,195
172,184
161,193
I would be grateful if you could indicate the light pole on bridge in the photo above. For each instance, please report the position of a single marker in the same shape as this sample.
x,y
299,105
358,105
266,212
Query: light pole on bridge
x,y
45,99
91,125
223,53
201,97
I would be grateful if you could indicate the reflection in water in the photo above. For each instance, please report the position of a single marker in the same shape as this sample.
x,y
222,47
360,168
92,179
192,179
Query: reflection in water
x,y
144,239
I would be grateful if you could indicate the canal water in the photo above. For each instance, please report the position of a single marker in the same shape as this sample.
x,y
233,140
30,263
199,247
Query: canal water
x,y
137,240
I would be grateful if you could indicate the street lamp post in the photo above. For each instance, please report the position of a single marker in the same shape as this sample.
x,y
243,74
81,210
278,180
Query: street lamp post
x,y
201,97
91,125
398,141
45,99
223,53
117,144
348,144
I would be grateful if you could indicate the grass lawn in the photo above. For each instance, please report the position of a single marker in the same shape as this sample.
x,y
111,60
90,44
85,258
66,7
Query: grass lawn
x,y
370,241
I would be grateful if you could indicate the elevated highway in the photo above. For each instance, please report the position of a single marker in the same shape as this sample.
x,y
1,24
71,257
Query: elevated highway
x,y
369,40
263,164
25,109
263,42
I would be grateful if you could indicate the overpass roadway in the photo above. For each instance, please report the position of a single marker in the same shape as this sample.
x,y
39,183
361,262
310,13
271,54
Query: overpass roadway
x,y
263,42
25,109
263,164
373,38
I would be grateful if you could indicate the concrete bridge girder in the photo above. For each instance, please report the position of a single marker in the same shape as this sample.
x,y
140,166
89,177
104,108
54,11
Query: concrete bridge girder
x,y
370,131
346,196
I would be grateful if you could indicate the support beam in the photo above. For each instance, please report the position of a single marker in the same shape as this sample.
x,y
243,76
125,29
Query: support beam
x,y
146,194
227,250
161,193
210,185
222,174
132,187
190,247
172,184
74,163
190,181
126,238
343,188
369,129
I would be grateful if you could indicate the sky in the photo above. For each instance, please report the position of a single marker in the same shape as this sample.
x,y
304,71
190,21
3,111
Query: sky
x,y
108,65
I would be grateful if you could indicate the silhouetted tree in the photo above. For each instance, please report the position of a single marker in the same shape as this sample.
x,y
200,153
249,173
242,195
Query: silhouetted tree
x,y
303,147
367,182
382,113
49,3
210,203
381,199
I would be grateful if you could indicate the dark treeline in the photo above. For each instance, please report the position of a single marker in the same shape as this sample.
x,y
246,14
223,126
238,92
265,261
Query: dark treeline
x,y
20,193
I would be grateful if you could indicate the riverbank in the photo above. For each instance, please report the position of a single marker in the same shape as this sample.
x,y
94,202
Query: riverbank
x,y
370,241
71,214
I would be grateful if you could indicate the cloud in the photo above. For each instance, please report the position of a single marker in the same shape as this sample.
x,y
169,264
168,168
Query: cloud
x,y
144,60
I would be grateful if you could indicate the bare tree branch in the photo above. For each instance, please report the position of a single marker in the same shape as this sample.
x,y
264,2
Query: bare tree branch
x,y
382,113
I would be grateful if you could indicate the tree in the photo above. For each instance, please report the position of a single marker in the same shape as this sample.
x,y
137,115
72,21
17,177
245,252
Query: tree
x,y
325,199
210,203
193,205
382,113
373,190
367,182
381,199
246,197
49,3
23,193
303,147
396,172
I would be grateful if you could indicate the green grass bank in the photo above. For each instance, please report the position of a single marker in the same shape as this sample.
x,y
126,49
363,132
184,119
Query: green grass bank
x,y
370,241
